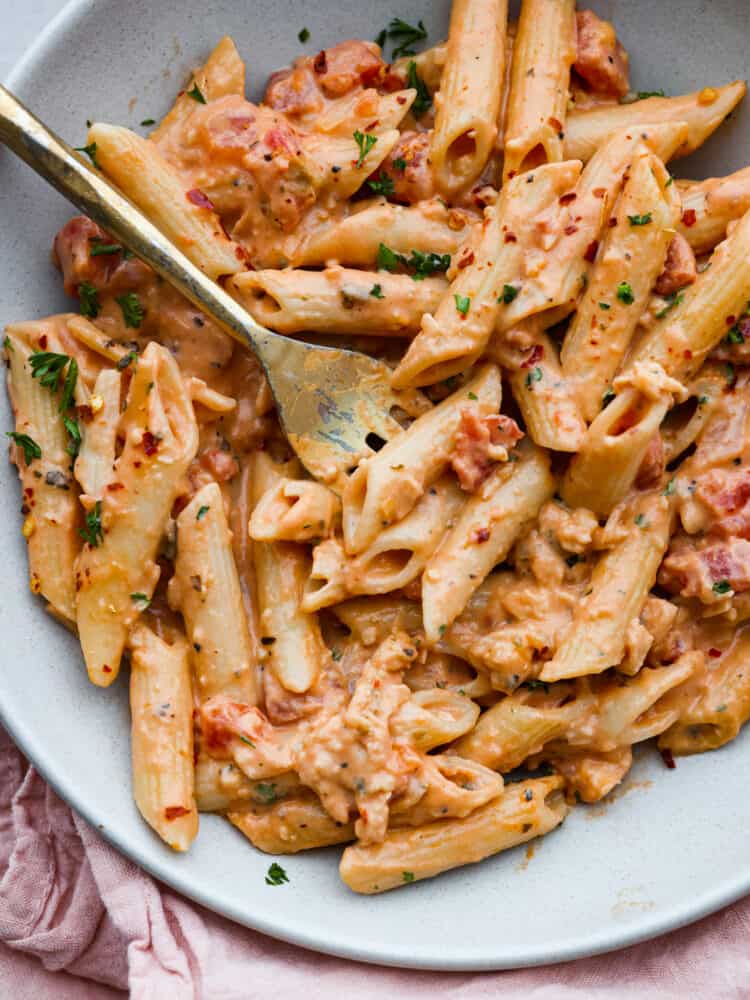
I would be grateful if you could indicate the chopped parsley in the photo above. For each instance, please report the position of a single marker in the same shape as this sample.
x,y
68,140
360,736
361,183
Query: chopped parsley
x,y
721,587
399,164
196,94
31,449
625,293
642,95
88,298
377,291
641,521
535,375
463,304
381,185
126,361
364,144
67,399
607,397
48,367
735,336
304,35
387,260
244,739
669,488
140,599
407,876
266,792
132,310
729,373
276,875
202,511
74,433
98,248
423,100
509,293
670,182
604,305
404,35
90,151
672,300
539,685
473,396
640,220
93,533
442,630
148,121
424,264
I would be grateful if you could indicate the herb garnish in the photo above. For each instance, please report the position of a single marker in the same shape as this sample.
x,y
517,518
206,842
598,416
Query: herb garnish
x,y
672,300
423,100
407,876
93,533
377,292
509,293
31,449
625,293
535,375
399,164
266,792
74,433
202,511
303,35
721,587
276,875
196,94
404,34
381,185
132,310
364,144
90,151
141,599
88,298
463,303
640,220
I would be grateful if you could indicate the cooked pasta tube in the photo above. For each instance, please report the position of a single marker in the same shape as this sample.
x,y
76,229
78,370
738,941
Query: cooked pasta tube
x,y
681,342
486,528
454,337
455,787
590,775
525,810
712,711
290,636
205,589
468,102
97,340
223,73
620,584
429,65
141,172
372,619
603,471
396,557
546,398
337,300
543,52
709,206
702,112
428,227
558,269
116,570
358,111
295,510
161,706
324,152
386,486
220,785
40,452
94,466
289,826
630,260
434,717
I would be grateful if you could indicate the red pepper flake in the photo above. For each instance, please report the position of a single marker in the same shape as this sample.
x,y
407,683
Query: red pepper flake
x,y
666,756
150,443
612,222
537,353
400,100
466,260
566,199
174,812
372,125
590,253
197,197
137,465
320,63
43,341
482,535
599,192
689,217
730,320
687,355
555,123
714,652
114,487
570,229
510,238
106,669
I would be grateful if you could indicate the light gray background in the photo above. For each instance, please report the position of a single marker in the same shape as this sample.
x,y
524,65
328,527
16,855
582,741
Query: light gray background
x,y
22,21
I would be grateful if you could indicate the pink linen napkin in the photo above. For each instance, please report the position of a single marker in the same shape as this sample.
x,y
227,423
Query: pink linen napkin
x,y
102,925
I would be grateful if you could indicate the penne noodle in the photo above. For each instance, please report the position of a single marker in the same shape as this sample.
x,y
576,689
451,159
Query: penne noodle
x,y
702,112
289,826
454,337
205,589
490,522
337,300
161,705
116,571
295,510
434,717
709,206
543,53
429,65
525,810
630,260
468,102
386,486
94,466
144,176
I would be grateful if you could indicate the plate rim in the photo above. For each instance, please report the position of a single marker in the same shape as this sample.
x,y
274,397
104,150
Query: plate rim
x,y
609,939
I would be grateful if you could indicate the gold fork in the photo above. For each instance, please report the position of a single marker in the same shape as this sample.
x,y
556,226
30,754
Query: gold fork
x,y
335,405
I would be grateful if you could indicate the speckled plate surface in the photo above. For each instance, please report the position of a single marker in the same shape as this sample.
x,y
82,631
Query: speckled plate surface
x,y
670,847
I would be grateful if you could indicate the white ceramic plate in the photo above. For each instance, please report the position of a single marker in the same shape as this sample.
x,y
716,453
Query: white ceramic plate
x,y
670,848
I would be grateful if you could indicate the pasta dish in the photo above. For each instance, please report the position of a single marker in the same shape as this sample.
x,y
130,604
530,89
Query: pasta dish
x,y
434,657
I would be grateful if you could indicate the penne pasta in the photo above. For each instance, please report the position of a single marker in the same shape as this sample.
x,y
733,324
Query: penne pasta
x,y
709,206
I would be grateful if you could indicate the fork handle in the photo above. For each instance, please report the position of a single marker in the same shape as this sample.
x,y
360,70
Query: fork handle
x,y
89,191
